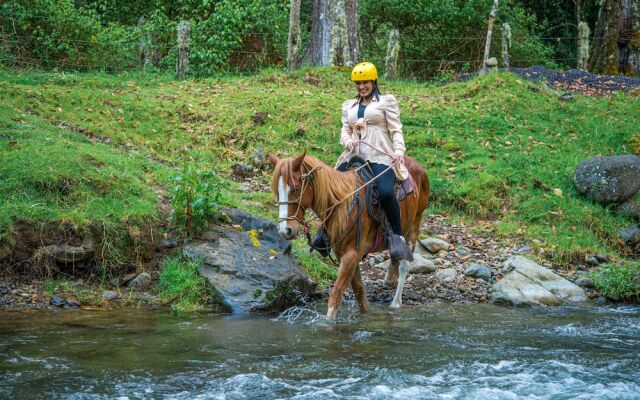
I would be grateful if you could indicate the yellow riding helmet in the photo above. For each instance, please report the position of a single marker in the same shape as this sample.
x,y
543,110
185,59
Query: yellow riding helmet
x,y
365,71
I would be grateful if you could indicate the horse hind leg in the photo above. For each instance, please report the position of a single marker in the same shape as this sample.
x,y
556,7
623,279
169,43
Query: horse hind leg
x,y
391,277
403,272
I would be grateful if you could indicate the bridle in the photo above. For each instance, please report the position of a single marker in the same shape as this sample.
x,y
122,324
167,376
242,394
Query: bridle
x,y
307,180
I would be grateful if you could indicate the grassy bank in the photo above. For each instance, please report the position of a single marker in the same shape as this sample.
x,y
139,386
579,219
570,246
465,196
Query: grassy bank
x,y
94,150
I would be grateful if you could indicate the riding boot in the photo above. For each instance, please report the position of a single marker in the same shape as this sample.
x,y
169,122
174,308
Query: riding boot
x,y
398,248
321,243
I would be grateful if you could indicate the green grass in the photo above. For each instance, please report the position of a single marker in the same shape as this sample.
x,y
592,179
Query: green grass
x,y
497,149
181,285
86,296
619,282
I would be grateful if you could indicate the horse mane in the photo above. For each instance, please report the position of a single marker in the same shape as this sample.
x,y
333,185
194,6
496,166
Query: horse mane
x,y
329,186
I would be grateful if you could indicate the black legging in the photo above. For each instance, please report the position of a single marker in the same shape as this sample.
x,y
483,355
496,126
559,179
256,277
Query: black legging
x,y
386,193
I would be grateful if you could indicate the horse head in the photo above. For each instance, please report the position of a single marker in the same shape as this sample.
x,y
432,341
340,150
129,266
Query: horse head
x,y
292,185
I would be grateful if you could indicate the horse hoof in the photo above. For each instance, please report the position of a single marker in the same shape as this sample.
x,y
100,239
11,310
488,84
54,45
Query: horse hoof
x,y
395,305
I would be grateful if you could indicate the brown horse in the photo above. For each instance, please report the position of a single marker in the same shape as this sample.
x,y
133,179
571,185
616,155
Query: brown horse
x,y
306,183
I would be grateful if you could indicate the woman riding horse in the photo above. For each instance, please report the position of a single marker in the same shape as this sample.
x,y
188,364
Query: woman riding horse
x,y
371,129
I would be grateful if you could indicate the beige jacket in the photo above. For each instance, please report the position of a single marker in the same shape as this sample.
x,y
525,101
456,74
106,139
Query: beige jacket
x,y
381,128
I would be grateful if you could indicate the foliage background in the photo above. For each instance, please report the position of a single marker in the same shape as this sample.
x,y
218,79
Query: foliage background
x,y
245,35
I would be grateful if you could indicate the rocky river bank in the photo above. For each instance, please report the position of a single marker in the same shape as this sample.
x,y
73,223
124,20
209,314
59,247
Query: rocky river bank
x,y
461,266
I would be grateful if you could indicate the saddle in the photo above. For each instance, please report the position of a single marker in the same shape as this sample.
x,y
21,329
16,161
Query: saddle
x,y
402,190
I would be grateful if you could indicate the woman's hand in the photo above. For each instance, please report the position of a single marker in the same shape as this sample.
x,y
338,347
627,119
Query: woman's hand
x,y
397,159
359,125
350,146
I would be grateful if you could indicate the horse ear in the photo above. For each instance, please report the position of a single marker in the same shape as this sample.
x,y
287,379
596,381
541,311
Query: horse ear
x,y
272,159
297,162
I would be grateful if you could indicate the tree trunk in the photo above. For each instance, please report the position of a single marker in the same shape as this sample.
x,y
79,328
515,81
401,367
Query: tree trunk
x,y
616,40
293,44
351,9
604,56
317,52
333,41
339,48
487,45
629,38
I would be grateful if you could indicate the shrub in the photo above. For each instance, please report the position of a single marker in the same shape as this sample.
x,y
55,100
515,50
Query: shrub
x,y
618,282
196,198
56,34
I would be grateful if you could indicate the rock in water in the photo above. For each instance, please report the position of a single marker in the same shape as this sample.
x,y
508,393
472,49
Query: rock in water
x,y
609,179
528,283
250,269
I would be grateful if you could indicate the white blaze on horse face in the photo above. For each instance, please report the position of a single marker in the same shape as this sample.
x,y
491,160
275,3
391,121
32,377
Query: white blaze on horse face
x,y
283,198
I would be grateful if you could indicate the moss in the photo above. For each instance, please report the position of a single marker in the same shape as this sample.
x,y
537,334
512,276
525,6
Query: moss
x,y
253,236
635,144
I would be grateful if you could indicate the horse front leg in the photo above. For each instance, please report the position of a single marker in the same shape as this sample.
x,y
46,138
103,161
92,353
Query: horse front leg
x,y
358,289
348,264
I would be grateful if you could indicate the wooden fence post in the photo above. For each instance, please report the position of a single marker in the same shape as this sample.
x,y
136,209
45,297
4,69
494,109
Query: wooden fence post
x,y
506,45
182,64
583,45
391,60
487,45
144,49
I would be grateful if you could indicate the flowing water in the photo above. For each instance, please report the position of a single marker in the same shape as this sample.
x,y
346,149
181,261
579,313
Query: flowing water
x,y
430,352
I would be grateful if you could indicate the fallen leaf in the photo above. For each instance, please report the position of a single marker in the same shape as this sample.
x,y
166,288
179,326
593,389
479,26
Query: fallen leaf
x,y
557,192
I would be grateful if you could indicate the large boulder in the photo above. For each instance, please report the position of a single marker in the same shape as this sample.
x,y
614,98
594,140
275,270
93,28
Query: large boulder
x,y
609,180
249,265
527,283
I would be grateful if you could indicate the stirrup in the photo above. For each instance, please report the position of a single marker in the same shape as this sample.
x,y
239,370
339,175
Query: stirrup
x,y
398,248
321,243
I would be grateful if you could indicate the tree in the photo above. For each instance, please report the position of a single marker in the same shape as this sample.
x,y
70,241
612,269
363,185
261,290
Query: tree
x,y
293,44
334,33
616,39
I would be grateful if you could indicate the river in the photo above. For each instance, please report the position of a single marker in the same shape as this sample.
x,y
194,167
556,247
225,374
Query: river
x,y
430,352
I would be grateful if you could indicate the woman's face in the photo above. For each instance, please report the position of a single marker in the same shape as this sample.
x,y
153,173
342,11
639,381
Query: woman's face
x,y
364,88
